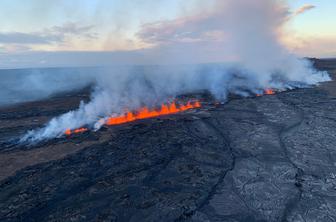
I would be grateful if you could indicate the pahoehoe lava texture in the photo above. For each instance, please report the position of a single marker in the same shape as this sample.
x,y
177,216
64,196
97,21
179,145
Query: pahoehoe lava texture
x,y
270,158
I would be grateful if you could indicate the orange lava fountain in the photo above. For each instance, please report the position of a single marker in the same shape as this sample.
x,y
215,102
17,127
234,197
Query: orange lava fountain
x,y
143,113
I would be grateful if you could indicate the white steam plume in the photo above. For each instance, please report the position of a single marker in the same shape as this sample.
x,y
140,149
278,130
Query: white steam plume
x,y
247,32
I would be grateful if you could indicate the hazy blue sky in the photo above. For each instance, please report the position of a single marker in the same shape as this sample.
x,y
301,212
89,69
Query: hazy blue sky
x,y
46,26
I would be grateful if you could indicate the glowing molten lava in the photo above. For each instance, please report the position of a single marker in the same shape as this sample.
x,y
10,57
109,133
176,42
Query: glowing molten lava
x,y
145,113
269,91
80,130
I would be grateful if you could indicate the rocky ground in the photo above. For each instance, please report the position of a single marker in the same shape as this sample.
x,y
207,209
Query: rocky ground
x,y
269,158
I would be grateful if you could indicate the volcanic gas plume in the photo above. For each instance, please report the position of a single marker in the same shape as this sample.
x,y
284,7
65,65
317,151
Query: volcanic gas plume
x,y
247,32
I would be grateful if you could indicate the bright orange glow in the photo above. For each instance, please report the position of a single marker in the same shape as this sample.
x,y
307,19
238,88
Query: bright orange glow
x,y
68,132
269,91
197,104
80,130
145,113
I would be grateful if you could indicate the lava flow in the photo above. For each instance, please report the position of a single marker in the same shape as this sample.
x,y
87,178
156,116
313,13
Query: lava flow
x,y
80,130
267,92
143,113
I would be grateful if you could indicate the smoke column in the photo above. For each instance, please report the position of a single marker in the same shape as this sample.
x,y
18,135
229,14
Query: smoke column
x,y
247,32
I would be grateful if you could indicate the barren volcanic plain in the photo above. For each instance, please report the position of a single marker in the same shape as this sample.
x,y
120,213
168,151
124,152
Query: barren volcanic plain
x,y
268,158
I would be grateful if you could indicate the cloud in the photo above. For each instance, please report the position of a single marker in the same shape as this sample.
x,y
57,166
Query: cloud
x,y
189,29
198,28
8,48
26,38
55,34
233,29
304,9
72,28
215,25
317,46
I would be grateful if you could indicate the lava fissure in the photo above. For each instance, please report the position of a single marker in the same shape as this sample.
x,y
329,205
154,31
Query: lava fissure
x,y
75,131
143,113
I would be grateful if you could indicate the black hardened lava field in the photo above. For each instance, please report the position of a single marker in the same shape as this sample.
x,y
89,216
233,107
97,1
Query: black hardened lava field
x,y
267,158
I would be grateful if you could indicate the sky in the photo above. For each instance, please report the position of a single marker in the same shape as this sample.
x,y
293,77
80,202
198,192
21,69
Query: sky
x,y
42,33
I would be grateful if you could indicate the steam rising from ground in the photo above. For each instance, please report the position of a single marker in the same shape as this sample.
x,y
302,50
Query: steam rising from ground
x,y
247,32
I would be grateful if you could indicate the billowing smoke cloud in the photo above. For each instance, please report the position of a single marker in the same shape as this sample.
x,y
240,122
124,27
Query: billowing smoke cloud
x,y
246,33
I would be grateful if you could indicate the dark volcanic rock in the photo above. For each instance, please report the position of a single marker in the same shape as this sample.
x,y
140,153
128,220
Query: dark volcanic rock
x,y
269,158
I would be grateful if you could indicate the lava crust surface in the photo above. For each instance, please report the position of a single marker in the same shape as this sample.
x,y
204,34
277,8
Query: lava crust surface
x,y
269,158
